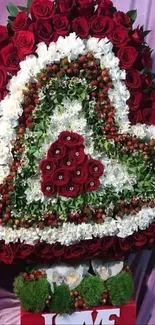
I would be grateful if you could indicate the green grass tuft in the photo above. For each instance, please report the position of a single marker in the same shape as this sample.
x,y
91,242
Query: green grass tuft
x,y
120,288
61,302
91,290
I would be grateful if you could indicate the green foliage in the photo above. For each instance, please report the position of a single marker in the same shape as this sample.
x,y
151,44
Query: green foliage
x,y
133,15
18,285
120,288
33,295
91,290
22,8
61,302
29,3
12,9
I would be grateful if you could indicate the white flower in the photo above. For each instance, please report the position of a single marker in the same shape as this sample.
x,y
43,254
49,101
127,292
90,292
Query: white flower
x,y
107,270
63,273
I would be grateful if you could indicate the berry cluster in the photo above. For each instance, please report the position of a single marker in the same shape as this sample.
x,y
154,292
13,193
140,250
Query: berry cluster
x,y
67,170
79,303
34,275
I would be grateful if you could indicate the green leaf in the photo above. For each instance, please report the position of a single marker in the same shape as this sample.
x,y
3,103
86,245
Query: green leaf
x,y
146,32
22,8
133,15
29,3
12,9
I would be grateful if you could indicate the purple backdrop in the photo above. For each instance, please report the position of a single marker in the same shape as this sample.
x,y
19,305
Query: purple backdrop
x,y
142,264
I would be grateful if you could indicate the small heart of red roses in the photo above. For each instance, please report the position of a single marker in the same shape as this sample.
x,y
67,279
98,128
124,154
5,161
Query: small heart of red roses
x,y
67,170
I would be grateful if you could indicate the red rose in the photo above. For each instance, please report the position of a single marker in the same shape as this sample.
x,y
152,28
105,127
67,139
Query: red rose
x,y
68,163
78,154
57,251
101,26
148,116
24,41
96,168
94,248
81,26
47,187
75,252
125,243
3,33
44,31
71,139
10,58
104,8
20,22
47,167
136,117
60,177
6,254
146,80
65,6
146,58
56,151
127,56
61,25
119,36
85,8
92,184
137,36
80,174
3,77
150,232
133,79
71,190
152,97
139,239
43,251
120,18
106,243
43,9
24,251
134,100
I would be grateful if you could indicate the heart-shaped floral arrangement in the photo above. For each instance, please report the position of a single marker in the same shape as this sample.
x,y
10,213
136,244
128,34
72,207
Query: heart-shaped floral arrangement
x,y
67,170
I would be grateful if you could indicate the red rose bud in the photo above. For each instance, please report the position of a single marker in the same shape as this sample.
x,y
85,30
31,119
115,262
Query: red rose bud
x,y
71,190
101,26
56,151
96,168
48,187
70,139
104,8
85,8
137,35
60,177
47,167
146,58
43,9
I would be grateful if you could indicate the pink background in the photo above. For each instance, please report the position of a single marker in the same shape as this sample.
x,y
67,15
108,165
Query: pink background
x,y
143,264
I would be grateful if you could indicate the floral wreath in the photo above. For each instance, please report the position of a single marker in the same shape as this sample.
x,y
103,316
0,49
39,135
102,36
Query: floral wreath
x,y
77,132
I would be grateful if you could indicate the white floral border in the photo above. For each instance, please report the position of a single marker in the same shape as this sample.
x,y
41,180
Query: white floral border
x,y
11,110
70,233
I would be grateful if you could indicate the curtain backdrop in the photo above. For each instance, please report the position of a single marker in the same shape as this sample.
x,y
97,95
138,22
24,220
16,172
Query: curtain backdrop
x,y
142,264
